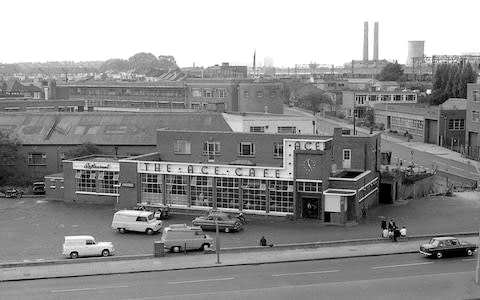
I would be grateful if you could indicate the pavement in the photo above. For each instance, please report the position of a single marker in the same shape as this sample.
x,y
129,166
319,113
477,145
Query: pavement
x,y
180,261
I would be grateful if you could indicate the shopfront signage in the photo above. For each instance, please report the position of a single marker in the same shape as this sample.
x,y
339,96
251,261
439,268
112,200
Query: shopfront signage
x,y
128,184
90,165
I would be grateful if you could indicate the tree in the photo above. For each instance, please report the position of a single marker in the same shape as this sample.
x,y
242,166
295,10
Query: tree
x,y
312,97
143,62
391,72
9,159
450,80
83,150
115,65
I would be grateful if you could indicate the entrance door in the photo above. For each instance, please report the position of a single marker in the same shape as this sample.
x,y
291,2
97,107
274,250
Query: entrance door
x,y
310,207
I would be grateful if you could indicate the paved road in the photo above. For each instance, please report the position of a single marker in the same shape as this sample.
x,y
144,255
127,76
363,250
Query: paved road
x,y
34,229
393,277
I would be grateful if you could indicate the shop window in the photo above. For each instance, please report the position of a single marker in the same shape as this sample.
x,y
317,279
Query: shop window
x,y
151,187
85,181
201,190
259,94
456,124
228,192
281,196
108,182
196,93
254,194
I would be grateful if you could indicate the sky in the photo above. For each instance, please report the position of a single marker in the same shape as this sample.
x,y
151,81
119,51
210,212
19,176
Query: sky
x,y
209,32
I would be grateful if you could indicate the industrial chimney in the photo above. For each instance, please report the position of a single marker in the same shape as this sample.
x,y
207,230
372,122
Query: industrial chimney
x,y
365,41
375,41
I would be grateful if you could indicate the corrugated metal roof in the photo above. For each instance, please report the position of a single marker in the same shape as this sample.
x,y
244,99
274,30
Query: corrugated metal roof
x,y
104,128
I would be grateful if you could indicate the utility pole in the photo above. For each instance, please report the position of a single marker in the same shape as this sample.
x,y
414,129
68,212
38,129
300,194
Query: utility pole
x,y
478,262
217,241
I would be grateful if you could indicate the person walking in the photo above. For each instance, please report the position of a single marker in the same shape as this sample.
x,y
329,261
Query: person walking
x,y
263,241
383,224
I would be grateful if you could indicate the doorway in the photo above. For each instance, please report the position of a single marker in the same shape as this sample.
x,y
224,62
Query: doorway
x,y
310,207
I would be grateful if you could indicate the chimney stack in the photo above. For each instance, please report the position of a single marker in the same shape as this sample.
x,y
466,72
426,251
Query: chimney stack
x,y
365,41
375,41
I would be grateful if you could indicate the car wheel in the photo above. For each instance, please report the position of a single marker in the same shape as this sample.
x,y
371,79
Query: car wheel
x,y
205,247
121,230
105,253
74,255
175,249
149,231
439,255
469,252
227,230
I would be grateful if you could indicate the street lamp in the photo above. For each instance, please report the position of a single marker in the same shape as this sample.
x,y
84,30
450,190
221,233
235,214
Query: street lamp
x,y
217,240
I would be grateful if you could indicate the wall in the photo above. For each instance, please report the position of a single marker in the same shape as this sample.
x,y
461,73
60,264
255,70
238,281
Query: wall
x,y
271,102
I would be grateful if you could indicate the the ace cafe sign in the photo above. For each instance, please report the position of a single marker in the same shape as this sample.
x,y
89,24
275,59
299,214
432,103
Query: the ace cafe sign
x,y
96,165
285,172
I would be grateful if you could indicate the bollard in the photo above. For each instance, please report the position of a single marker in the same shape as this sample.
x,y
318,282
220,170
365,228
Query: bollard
x,y
158,249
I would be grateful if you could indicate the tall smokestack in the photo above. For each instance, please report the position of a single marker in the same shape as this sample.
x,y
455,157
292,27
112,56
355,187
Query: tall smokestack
x,y
375,41
365,41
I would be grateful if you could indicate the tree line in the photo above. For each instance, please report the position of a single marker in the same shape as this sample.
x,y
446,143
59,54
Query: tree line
x,y
450,81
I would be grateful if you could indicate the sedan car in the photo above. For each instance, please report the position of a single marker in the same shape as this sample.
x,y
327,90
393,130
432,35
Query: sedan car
x,y
447,246
226,222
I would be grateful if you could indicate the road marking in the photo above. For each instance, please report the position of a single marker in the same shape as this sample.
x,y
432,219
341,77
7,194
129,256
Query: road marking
x,y
305,273
201,280
404,265
89,289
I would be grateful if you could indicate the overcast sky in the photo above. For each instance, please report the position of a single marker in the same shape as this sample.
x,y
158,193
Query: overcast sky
x,y
210,32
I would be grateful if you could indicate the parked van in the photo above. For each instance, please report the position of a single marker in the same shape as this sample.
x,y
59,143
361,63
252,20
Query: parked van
x,y
85,245
135,220
179,237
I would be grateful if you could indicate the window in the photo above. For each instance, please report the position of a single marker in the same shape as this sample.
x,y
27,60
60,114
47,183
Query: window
x,y
207,93
37,159
108,182
228,192
176,186
141,219
152,185
310,187
257,129
372,98
384,98
456,124
411,97
360,99
475,116
196,92
246,94
397,97
476,95
201,190
273,94
278,150
182,147
85,181
347,154
259,94
220,93
287,129
211,148
254,194
246,149
281,196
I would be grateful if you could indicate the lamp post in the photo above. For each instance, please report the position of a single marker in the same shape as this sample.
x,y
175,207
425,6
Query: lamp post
x,y
217,240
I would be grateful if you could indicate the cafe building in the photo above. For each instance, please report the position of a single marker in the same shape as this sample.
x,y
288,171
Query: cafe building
x,y
330,178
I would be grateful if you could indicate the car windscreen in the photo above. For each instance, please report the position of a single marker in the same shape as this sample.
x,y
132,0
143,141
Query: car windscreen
x,y
151,217
434,242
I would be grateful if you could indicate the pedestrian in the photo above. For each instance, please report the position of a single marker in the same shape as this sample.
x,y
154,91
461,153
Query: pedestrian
x,y
383,224
385,233
403,231
263,241
396,234
390,225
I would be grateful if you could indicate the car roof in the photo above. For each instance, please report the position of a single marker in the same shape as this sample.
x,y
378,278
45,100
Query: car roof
x,y
442,238
78,237
134,213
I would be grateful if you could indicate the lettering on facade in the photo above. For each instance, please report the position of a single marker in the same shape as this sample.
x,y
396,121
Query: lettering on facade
x,y
128,184
95,166
308,146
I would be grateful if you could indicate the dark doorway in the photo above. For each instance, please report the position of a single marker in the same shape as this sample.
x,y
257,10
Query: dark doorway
x,y
386,193
326,217
310,207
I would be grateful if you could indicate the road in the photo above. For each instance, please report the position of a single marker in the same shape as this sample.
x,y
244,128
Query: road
x,y
393,277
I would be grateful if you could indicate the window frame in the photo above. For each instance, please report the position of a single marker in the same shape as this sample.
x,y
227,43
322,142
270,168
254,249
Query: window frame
x,y
250,152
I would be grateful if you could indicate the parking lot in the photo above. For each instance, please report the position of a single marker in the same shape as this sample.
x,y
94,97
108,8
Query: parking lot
x,y
32,228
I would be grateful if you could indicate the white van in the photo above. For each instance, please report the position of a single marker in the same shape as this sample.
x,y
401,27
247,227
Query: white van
x,y
136,220
179,237
85,245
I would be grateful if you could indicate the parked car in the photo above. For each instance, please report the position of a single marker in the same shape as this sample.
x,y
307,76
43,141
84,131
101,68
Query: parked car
x,y
38,188
239,215
161,211
11,193
136,220
85,245
178,237
226,222
447,246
